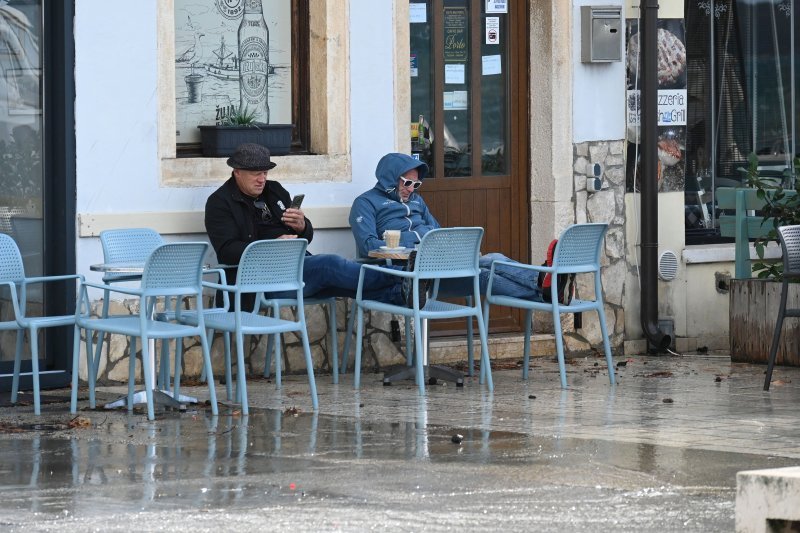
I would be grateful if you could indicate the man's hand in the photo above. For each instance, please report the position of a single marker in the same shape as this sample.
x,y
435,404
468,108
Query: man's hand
x,y
295,219
288,236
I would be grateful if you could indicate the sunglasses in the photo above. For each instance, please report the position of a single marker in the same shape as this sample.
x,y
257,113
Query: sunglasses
x,y
266,215
409,183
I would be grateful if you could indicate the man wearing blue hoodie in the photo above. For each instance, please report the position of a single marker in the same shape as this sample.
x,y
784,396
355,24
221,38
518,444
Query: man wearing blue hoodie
x,y
395,204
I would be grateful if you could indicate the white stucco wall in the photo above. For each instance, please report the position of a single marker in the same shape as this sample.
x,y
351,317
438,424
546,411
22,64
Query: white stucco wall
x,y
598,89
116,111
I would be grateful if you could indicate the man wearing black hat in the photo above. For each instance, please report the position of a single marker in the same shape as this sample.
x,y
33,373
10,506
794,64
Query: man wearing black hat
x,y
249,207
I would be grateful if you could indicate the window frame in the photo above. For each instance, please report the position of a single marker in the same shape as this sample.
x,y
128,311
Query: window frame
x,y
327,157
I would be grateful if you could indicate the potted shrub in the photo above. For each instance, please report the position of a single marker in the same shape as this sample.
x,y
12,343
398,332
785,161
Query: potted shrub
x,y
221,140
754,302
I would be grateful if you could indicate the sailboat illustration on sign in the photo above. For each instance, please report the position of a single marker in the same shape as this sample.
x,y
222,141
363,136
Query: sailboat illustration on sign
x,y
224,68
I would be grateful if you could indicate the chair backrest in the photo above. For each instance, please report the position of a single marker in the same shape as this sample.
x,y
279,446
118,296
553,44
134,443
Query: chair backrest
x,y
130,245
175,269
579,248
272,265
449,253
789,237
11,266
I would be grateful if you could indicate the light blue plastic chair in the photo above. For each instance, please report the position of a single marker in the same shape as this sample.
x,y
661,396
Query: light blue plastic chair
x,y
266,266
125,246
171,271
12,277
441,254
789,238
578,251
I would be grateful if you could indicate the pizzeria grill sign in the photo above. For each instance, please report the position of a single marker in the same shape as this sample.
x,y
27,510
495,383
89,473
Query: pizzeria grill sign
x,y
671,107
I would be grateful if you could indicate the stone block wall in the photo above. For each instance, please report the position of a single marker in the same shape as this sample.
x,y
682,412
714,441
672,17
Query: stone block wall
x,y
379,351
605,205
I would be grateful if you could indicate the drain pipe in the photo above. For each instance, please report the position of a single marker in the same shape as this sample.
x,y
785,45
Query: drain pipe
x,y
648,50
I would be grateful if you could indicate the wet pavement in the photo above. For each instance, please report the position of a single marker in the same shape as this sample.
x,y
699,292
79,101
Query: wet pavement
x,y
658,452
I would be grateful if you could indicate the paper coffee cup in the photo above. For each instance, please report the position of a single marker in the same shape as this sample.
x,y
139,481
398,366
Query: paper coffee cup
x,y
392,238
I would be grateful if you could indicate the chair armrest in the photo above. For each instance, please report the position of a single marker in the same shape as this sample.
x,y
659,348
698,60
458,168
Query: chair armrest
x,y
110,288
390,271
223,280
47,279
219,286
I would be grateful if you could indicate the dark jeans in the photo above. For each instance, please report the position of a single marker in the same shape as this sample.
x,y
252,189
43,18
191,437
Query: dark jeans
x,y
327,275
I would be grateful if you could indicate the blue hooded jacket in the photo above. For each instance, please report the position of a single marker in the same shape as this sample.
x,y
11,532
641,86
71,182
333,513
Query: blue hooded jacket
x,y
380,208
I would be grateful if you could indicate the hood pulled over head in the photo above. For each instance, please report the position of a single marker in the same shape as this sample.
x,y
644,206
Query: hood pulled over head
x,y
393,165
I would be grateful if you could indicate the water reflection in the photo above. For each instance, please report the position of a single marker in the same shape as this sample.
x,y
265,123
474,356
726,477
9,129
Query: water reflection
x,y
203,461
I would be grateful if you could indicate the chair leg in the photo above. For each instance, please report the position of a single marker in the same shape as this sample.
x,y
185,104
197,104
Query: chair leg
x,y
226,343
418,354
268,355
347,337
526,357
34,338
470,351
101,336
76,363
606,344
409,345
776,335
164,366
241,381
176,388
312,384
17,364
359,332
334,340
278,360
562,369
92,366
212,390
486,325
131,373
485,361
148,378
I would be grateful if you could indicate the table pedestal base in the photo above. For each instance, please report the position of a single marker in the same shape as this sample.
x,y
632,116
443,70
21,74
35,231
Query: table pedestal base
x,y
160,398
431,372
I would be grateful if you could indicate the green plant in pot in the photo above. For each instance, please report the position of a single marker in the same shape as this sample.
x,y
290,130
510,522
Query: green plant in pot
x,y
242,118
221,140
781,194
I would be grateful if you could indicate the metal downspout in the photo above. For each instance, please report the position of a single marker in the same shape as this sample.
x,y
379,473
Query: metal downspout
x,y
648,40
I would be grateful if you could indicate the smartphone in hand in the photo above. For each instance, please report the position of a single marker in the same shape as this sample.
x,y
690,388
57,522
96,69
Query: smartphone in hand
x,y
297,201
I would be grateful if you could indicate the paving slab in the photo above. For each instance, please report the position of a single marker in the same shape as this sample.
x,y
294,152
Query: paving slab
x,y
657,452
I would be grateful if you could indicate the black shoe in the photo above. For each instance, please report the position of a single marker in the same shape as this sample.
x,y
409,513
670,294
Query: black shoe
x,y
408,285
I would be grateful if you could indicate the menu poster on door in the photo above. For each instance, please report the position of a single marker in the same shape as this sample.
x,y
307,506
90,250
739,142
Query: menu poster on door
x,y
455,35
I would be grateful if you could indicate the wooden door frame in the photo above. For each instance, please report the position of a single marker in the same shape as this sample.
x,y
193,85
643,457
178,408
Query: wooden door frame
x,y
517,181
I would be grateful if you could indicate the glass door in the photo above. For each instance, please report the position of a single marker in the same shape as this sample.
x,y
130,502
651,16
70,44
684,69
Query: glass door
x,y
468,72
37,140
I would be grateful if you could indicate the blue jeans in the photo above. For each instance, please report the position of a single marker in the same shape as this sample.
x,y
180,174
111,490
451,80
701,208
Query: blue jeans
x,y
508,281
327,275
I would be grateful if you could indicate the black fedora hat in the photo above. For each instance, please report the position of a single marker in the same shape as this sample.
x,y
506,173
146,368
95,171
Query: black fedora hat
x,y
251,156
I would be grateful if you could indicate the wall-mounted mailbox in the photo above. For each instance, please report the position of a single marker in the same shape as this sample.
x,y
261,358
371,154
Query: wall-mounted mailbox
x,y
601,34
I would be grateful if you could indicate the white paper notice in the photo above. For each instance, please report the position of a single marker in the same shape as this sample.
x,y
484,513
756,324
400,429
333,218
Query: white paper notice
x,y
492,30
455,100
497,6
417,13
491,65
454,73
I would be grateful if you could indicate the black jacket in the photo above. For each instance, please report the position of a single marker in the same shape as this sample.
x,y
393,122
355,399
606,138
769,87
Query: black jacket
x,y
232,222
